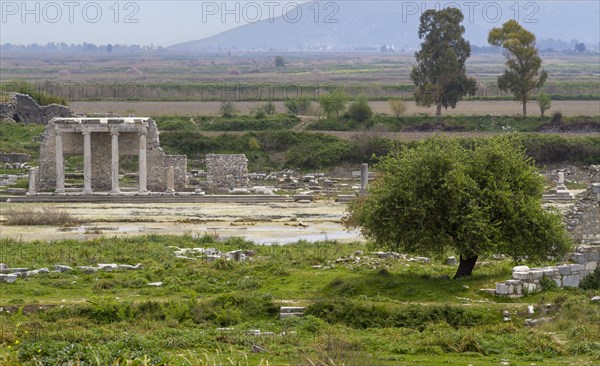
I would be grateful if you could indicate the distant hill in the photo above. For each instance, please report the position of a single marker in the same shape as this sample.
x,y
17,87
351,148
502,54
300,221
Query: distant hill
x,y
370,24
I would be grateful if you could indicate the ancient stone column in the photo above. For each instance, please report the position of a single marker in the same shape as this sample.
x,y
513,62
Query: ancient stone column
x,y
170,180
114,171
142,174
87,162
60,164
561,178
364,178
32,176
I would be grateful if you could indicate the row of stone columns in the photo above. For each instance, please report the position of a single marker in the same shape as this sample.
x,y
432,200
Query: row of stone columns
x,y
87,163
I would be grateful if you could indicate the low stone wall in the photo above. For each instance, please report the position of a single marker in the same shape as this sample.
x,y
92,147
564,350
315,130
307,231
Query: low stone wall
x,y
529,280
14,158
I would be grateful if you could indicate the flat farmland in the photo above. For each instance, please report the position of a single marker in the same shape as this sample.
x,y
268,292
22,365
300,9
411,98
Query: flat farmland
x,y
494,108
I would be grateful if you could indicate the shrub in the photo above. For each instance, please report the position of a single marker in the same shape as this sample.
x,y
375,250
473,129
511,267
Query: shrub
x,y
398,107
270,108
591,282
227,109
556,117
38,216
299,106
360,110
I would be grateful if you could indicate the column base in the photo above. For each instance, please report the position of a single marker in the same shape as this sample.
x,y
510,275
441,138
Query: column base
x,y
170,193
60,192
143,192
88,192
115,192
31,193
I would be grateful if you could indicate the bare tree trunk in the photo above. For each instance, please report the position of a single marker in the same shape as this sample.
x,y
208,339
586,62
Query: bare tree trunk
x,y
438,110
465,266
524,108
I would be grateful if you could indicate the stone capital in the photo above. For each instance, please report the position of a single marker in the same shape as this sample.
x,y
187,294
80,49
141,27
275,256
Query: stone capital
x,y
143,132
114,132
86,132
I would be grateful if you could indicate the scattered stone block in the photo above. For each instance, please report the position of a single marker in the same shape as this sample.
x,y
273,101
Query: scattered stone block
x,y
108,267
128,267
61,268
155,284
521,269
451,261
8,278
87,269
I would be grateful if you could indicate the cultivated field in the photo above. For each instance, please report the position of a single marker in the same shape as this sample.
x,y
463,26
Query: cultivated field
x,y
494,108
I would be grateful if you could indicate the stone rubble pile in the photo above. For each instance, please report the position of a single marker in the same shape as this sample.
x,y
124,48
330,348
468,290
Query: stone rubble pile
x,y
211,254
10,275
373,260
529,280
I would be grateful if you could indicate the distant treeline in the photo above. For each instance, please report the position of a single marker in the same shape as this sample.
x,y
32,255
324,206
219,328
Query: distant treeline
x,y
271,150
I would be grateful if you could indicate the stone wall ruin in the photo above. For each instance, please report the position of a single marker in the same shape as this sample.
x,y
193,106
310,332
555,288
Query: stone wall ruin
x,y
227,170
22,108
105,139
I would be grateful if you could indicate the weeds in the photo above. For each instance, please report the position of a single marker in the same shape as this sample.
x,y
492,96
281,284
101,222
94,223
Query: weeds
x,y
30,216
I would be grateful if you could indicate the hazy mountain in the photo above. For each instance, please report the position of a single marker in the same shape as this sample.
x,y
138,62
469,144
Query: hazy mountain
x,y
369,24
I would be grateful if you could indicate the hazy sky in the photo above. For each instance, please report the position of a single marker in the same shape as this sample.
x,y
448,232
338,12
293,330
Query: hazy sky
x,y
160,22
164,23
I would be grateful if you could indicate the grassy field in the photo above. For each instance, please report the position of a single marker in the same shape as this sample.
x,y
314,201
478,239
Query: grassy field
x,y
359,311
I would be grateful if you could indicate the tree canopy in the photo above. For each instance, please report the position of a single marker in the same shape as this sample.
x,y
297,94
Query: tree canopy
x,y
441,197
333,103
524,73
440,75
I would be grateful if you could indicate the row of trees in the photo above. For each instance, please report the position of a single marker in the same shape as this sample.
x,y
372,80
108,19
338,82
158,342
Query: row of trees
x,y
440,75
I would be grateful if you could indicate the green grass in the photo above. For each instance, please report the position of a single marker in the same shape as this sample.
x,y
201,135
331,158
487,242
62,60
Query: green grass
x,y
385,312
18,137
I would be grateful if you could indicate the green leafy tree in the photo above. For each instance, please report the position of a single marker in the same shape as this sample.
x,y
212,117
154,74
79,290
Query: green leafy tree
x,y
441,196
298,106
440,75
333,103
524,73
360,110
544,102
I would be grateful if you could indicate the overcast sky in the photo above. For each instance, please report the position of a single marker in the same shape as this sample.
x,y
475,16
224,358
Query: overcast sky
x,y
159,22
164,23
